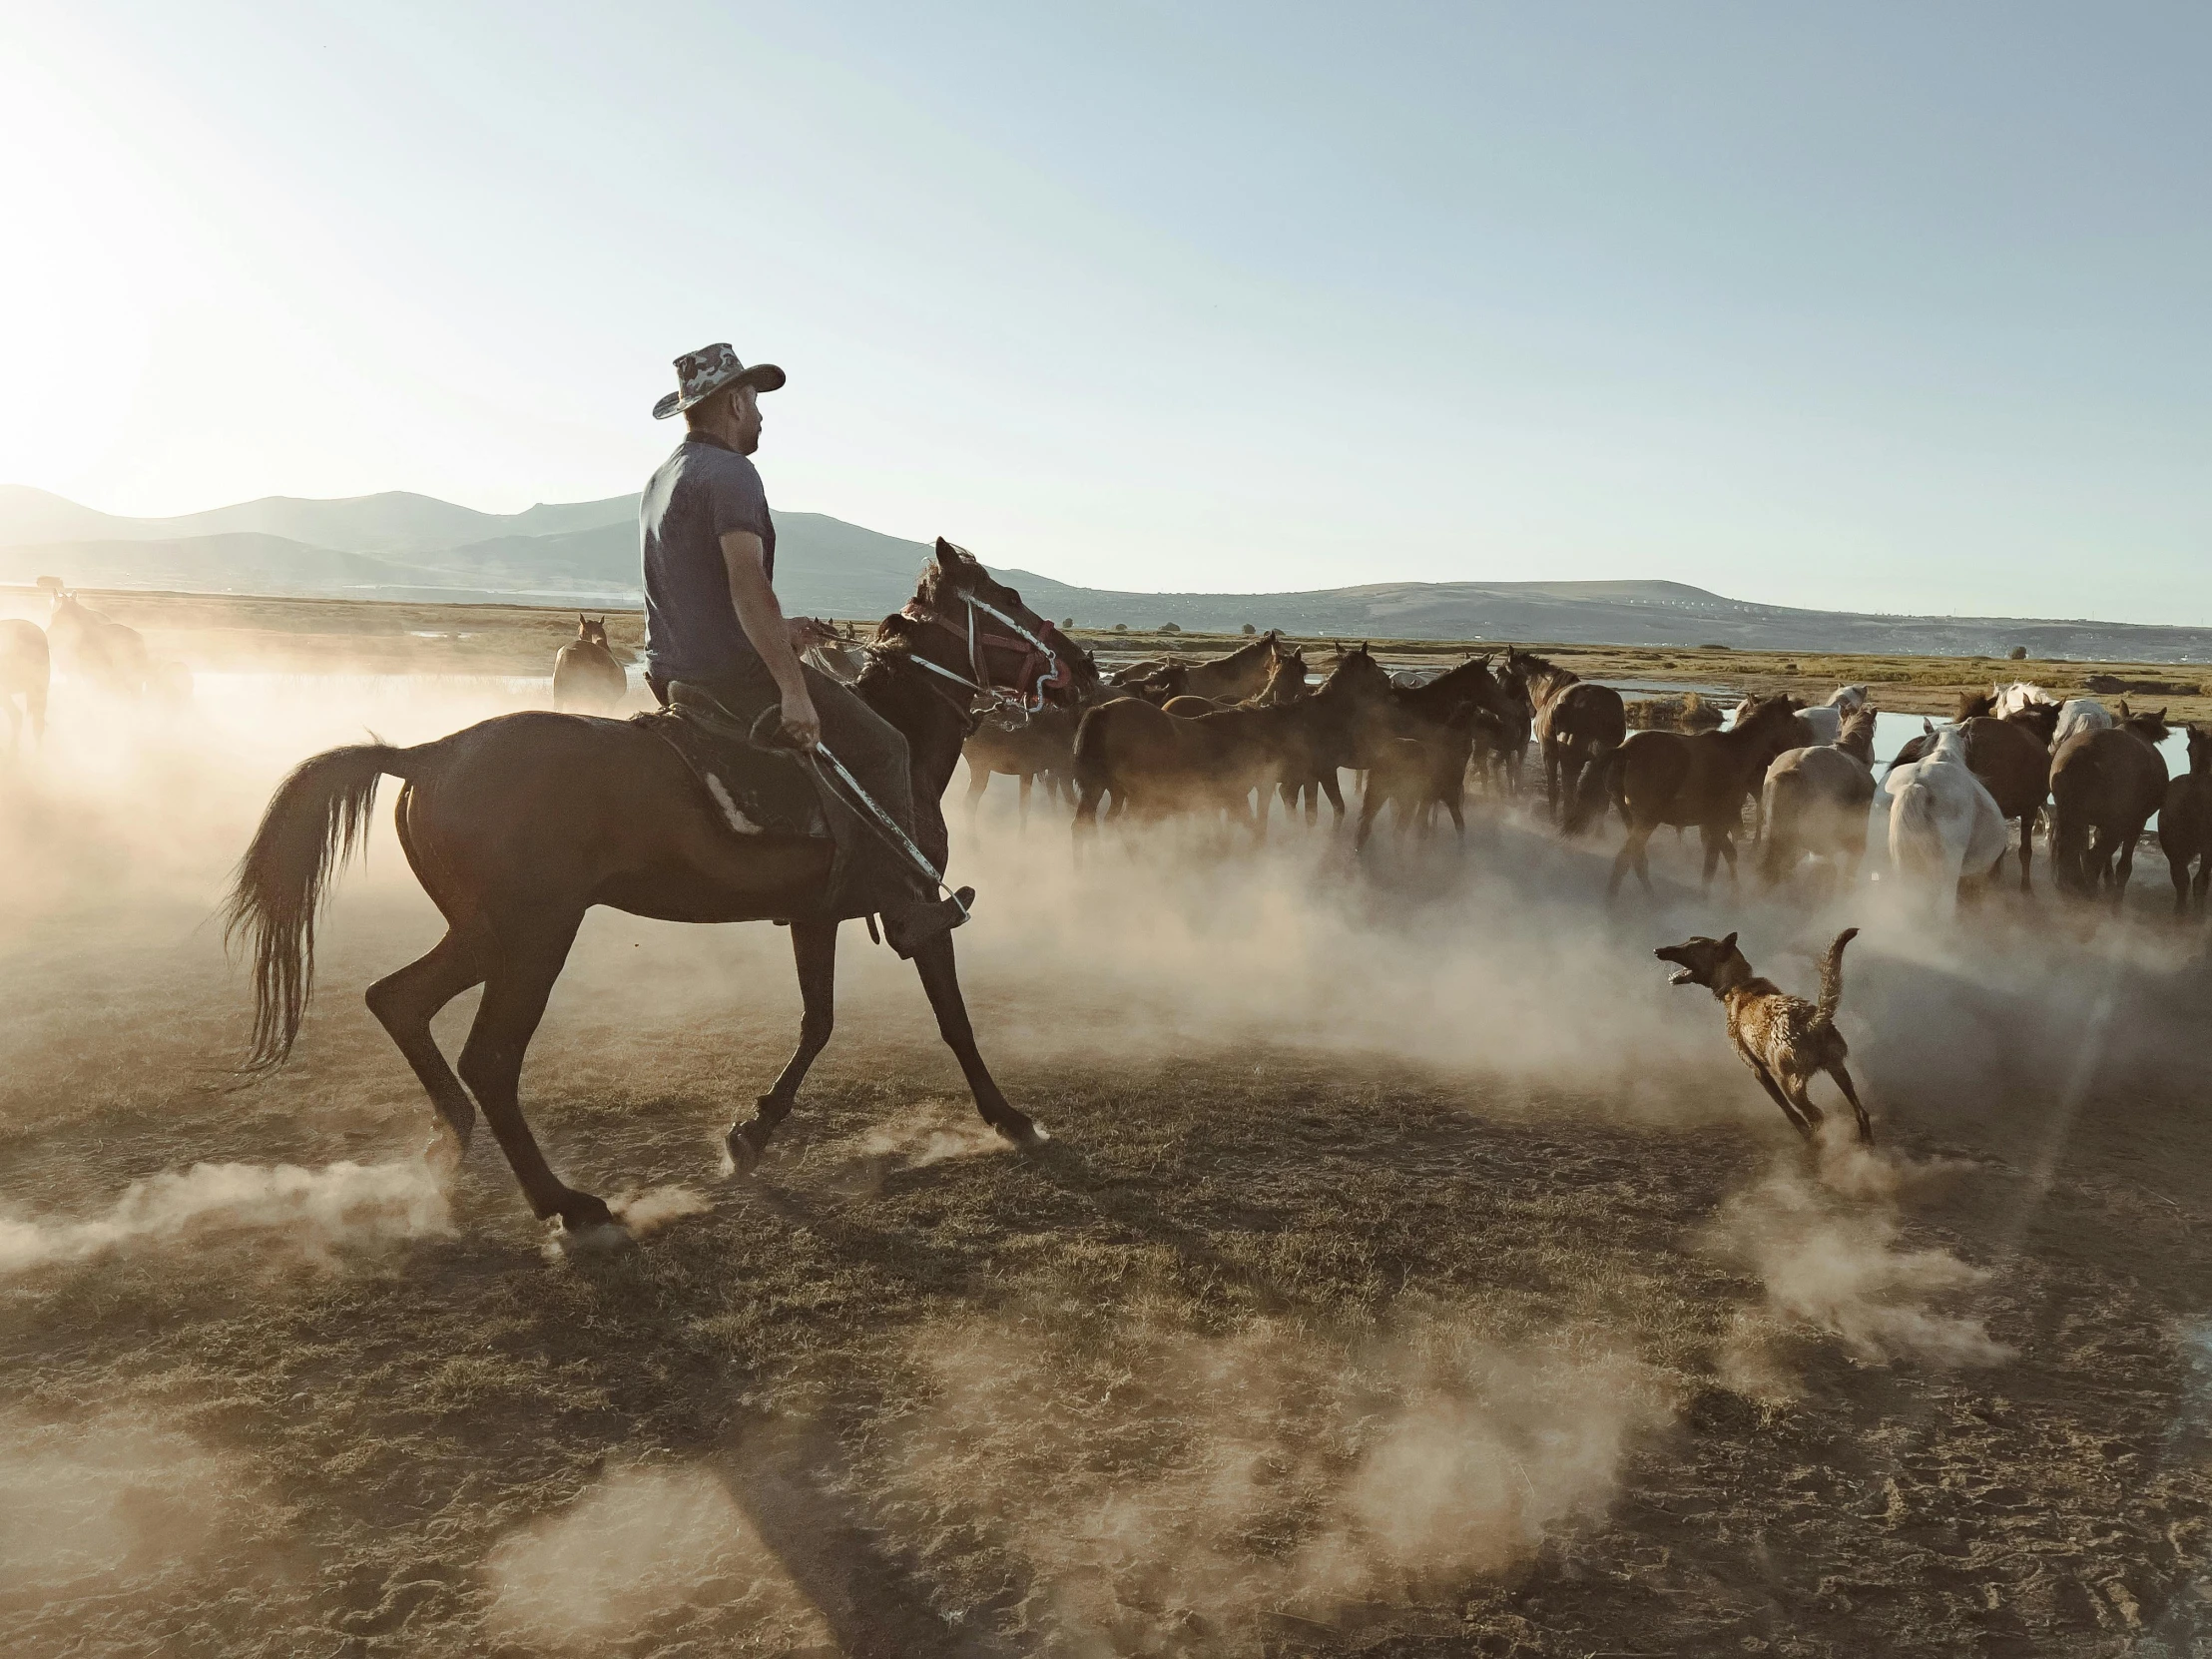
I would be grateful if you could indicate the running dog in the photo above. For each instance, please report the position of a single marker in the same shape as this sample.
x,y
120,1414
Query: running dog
x,y
1786,1040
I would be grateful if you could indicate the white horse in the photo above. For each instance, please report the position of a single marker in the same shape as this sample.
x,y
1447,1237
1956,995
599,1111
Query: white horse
x,y
1826,721
2011,699
1944,825
2080,713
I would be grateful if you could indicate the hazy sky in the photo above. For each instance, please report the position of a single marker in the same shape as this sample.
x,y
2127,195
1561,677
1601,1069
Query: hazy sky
x,y
1893,307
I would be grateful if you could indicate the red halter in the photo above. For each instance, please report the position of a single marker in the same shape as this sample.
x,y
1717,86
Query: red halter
x,y
1042,667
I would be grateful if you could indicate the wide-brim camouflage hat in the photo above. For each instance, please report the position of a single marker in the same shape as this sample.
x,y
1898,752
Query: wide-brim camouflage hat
x,y
702,373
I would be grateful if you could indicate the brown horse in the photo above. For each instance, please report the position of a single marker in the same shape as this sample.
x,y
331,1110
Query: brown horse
x,y
1439,718
26,668
2011,757
1237,676
2104,786
1576,724
1700,778
2185,825
586,676
518,826
93,645
1043,746
1154,763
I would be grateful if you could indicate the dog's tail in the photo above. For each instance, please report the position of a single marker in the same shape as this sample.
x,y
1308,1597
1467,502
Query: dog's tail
x,y
1832,977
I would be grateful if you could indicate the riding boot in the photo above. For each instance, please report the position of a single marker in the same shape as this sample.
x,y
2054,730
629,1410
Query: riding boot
x,y
910,926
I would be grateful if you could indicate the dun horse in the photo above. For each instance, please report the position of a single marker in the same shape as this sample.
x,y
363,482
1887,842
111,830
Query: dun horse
x,y
518,826
1576,724
586,676
25,670
92,646
1815,801
2104,786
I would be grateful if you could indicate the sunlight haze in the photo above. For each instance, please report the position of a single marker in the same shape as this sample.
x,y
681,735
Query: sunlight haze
x,y
1877,308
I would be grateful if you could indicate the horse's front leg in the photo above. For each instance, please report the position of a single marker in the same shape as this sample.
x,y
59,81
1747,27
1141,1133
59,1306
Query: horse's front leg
x,y
940,978
815,953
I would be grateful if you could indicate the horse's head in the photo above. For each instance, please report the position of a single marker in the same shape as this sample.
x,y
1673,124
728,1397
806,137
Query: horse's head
x,y
1356,676
2200,749
589,631
1974,704
2150,724
2040,718
1855,732
979,628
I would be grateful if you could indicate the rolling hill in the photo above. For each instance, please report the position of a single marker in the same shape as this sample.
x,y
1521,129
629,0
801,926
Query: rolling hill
x,y
412,547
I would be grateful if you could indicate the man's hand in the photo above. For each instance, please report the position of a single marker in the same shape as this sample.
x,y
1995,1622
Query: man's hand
x,y
807,632
802,726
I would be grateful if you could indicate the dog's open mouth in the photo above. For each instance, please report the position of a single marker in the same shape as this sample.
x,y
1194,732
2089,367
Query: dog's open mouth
x,y
1680,976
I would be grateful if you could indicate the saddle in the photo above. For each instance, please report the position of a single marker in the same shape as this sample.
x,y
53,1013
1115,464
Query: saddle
x,y
755,790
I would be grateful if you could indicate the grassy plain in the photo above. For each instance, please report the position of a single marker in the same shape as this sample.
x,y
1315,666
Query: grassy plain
x,y
322,635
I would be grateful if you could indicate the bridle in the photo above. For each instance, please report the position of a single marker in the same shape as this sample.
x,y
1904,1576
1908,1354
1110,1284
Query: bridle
x,y
1042,668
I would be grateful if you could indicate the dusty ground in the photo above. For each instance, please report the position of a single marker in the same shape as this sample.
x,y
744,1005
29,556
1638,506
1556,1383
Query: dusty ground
x,y
1413,1271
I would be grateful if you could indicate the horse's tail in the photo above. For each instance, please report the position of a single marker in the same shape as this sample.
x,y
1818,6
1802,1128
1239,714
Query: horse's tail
x,y
315,821
1088,763
1832,977
1598,787
1916,839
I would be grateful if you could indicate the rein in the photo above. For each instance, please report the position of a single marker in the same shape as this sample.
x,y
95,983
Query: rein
x,y
1040,668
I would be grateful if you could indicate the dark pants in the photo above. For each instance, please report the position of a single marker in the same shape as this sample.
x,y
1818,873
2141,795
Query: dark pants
x,y
868,874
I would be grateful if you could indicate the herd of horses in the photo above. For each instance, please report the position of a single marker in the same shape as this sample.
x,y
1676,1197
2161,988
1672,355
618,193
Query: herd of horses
x,y
89,645
1167,738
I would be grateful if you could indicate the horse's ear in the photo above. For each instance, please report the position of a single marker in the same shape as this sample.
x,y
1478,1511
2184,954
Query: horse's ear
x,y
2122,707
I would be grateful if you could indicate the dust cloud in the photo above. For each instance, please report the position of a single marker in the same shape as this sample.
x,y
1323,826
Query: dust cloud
x,y
1826,1248
113,1497
316,1213
636,1556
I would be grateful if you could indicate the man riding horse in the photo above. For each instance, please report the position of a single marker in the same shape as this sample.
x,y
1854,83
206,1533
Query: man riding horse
x,y
714,629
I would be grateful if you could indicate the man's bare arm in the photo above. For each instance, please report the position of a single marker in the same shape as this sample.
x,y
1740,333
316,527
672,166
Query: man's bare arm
x,y
763,622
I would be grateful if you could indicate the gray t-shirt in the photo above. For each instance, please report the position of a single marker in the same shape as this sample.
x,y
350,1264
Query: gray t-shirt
x,y
701,491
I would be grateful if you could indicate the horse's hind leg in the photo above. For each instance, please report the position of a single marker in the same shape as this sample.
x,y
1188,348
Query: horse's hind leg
x,y
405,1002
530,958
940,978
814,952
2028,850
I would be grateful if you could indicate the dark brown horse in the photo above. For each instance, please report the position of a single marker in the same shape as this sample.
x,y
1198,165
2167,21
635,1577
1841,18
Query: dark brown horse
x,y
25,670
586,676
1154,763
2011,757
2185,825
1700,778
2104,786
1438,719
518,826
1577,724
1043,746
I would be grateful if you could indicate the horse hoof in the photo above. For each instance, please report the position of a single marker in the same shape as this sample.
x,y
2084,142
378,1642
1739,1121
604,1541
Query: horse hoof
x,y
1026,1136
743,1150
582,1213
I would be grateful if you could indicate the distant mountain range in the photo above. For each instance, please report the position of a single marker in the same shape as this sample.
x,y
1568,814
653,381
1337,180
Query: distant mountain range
x,y
412,547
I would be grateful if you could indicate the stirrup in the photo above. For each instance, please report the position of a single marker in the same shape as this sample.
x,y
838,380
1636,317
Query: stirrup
x,y
924,919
